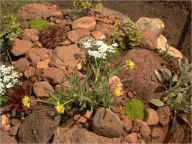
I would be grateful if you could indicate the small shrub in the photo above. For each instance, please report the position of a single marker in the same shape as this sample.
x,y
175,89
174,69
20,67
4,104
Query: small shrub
x,y
10,29
53,36
134,109
38,23
74,14
126,34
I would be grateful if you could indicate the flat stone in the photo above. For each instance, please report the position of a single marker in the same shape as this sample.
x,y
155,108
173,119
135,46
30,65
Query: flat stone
x,y
21,47
76,35
70,56
98,35
84,22
43,64
30,34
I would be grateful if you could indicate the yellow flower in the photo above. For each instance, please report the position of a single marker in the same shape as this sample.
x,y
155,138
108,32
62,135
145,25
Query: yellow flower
x,y
130,64
26,101
117,92
60,108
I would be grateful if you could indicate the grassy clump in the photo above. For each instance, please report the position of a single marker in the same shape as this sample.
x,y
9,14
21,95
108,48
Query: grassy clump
x,y
38,23
134,109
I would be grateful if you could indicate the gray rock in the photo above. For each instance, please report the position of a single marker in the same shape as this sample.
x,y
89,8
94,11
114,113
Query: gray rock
x,y
80,136
107,123
39,126
154,24
7,139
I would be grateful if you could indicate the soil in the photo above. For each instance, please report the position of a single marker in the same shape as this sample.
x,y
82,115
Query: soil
x,y
175,14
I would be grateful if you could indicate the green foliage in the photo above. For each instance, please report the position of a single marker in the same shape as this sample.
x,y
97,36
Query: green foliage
x,y
134,109
74,14
38,23
10,29
178,89
85,5
86,93
126,34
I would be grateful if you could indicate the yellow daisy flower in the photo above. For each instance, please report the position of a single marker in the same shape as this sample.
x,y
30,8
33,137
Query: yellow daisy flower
x,y
130,64
59,108
117,92
26,101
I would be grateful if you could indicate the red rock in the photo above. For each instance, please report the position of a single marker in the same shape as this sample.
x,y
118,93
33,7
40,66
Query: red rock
x,y
130,94
21,47
164,115
98,35
88,114
76,35
43,64
84,22
15,121
152,117
148,38
22,64
131,138
127,124
41,89
30,34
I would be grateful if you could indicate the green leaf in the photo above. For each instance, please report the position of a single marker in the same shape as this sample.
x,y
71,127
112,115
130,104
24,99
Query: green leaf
x,y
174,125
166,71
175,78
160,77
157,102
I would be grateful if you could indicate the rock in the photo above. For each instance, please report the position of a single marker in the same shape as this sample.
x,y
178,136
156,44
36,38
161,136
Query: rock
x,y
109,12
88,114
106,29
143,127
84,22
39,126
30,34
33,10
163,46
54,75
65,43
127,124
43,64
14,121
22,64
80,135
131,138
4,125
80,119
7,139
157,132
164,114
151,117
37,44
178,135
41,89
141,79
154,24
14,129
107,123
29,72
21,47
148,38
38,54
116,82
76,35
98,35
70,56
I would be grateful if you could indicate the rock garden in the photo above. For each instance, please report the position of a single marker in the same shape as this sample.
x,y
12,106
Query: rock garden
x,y
91,75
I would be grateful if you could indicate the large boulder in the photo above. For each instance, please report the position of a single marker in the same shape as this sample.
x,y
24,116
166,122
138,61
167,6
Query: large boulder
x,y
38,54
107,123
76,35
141,79
79,135
21,47
154,24
32,10
39,126
70,56
84,22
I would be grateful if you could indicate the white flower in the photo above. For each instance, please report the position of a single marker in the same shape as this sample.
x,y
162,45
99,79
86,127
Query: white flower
x,y
102,37
115,45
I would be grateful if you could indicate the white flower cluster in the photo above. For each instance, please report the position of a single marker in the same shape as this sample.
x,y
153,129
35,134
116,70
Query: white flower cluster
x,y
97,48
8,77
